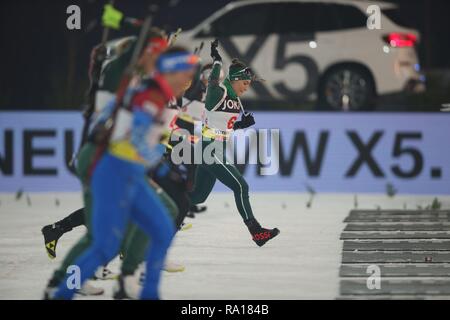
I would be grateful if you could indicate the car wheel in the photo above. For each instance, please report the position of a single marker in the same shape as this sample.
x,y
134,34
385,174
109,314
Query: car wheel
x,y
346,88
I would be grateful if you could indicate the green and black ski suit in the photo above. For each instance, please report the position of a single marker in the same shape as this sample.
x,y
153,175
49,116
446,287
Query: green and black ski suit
x,y
222,110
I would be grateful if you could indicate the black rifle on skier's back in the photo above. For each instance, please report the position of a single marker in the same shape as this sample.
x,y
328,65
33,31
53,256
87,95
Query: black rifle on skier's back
x,y
112,18
102,131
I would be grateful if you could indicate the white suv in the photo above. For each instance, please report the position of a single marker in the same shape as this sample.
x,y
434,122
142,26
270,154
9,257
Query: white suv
x,y
315,49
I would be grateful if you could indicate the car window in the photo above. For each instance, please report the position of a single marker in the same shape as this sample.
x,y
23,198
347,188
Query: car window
x,y
298,18
400,18
350,17
245,20
327,19
295,18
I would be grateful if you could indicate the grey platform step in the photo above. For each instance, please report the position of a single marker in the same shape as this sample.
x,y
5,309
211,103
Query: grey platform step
x,y
399,212
394,235
397,227
397,245
397,270
396,287
396,219
395,257
398,216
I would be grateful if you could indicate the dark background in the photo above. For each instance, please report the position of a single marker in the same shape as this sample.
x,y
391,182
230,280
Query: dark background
x,y
44,65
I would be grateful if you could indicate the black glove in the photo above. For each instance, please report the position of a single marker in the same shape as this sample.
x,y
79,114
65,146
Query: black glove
x,y
247,120
214,52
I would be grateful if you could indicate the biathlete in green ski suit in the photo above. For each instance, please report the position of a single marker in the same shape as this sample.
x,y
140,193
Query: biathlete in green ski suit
x,y
120,51
223,107
111,73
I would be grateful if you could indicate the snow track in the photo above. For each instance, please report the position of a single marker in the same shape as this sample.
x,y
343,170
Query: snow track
x,y
221,260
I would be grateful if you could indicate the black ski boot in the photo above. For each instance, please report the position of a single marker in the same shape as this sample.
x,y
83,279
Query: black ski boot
x,y
259,234
196,208
51,233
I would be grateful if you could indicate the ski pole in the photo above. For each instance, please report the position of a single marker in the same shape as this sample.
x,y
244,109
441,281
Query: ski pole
x,y
96,72
88,111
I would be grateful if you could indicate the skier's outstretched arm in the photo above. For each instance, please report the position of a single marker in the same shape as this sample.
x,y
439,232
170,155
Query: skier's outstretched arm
x,y
215,91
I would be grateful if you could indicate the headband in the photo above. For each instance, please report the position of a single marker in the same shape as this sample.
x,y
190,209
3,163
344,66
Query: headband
x,y
243,74
177,61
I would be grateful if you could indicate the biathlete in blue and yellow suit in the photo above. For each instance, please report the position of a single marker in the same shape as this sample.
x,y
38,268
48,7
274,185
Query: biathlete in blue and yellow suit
x,y
119,182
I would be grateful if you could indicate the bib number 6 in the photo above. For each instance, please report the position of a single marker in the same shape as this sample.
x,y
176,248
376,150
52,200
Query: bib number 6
x,y
231,122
